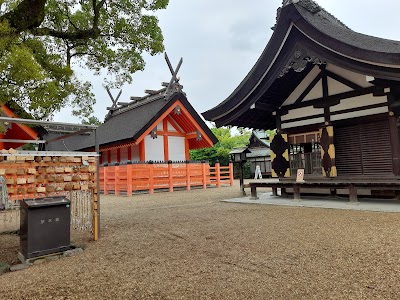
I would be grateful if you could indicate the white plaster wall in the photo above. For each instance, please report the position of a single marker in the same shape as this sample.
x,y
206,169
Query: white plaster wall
x,y
357,78
302,112
335,87
302,86
154,148
303,123
359,101
176,148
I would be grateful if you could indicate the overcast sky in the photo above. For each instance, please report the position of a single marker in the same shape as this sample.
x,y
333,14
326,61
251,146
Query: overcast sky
x,y
220,40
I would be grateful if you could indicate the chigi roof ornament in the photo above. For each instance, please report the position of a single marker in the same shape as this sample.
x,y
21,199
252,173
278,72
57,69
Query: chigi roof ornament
x,y
173,85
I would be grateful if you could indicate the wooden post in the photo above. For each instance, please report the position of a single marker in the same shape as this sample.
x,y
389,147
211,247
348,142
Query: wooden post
x,y
203,167
96,200
129,179
151,177
105,189
188,175
253,190
274,191
353,194
218,173
116,180
296,193
231,173
241,179
170,177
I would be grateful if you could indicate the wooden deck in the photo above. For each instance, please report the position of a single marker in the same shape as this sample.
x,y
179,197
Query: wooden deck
x,y
351,185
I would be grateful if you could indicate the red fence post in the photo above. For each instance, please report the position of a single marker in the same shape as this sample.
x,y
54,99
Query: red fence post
x,y
116,180
203,167
170,177
105,190
151,177
231,173
188,175
129,180
218,173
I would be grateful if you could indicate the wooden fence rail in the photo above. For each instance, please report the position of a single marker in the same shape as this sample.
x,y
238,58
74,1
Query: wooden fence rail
x,y
149,177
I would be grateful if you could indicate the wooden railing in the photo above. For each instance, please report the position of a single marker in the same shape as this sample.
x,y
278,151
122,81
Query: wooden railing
x,y
129,178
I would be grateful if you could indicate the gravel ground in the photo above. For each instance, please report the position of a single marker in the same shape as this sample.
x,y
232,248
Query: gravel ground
x,y
189,245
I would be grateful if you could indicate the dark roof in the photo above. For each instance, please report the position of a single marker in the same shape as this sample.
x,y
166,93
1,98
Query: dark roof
x,y
306,29
129,122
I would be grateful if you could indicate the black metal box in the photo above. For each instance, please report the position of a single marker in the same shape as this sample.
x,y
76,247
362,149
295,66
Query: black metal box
x,y
44,226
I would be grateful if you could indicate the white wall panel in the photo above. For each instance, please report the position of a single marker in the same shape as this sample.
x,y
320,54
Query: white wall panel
x,y
154,148
302,86
358,102
302,123
176,148
302,112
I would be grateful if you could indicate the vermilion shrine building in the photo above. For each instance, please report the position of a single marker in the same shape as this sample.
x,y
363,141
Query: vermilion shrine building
x,y
157,127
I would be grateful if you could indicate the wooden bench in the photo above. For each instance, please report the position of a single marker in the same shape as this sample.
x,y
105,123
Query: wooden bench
x,y
352,186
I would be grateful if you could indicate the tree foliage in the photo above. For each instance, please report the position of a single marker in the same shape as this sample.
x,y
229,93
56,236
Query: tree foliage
x,y
43,41
220,151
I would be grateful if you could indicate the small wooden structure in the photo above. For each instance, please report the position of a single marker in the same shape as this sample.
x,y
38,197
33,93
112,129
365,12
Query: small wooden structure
x,y
332,94
259,155
32,174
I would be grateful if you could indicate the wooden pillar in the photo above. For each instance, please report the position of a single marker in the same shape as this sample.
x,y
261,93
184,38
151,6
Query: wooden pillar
x,y
187,153
274,191
241,179
353,194
296,193
109,156
253,191
165,140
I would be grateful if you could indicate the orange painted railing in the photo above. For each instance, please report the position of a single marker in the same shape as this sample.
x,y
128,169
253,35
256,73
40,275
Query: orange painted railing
x,y
129,178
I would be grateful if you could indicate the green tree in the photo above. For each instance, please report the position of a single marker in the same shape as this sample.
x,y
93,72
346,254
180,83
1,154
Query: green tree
x,y
92,120
42,41
220,151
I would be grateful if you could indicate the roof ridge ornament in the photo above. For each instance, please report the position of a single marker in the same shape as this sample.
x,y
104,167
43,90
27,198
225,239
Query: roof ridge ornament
x,y
299,59
173,85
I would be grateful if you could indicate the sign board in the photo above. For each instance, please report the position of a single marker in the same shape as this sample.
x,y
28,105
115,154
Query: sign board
x,y
300,175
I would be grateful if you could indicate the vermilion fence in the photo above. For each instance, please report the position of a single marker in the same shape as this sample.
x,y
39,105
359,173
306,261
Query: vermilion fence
x,y
130,178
